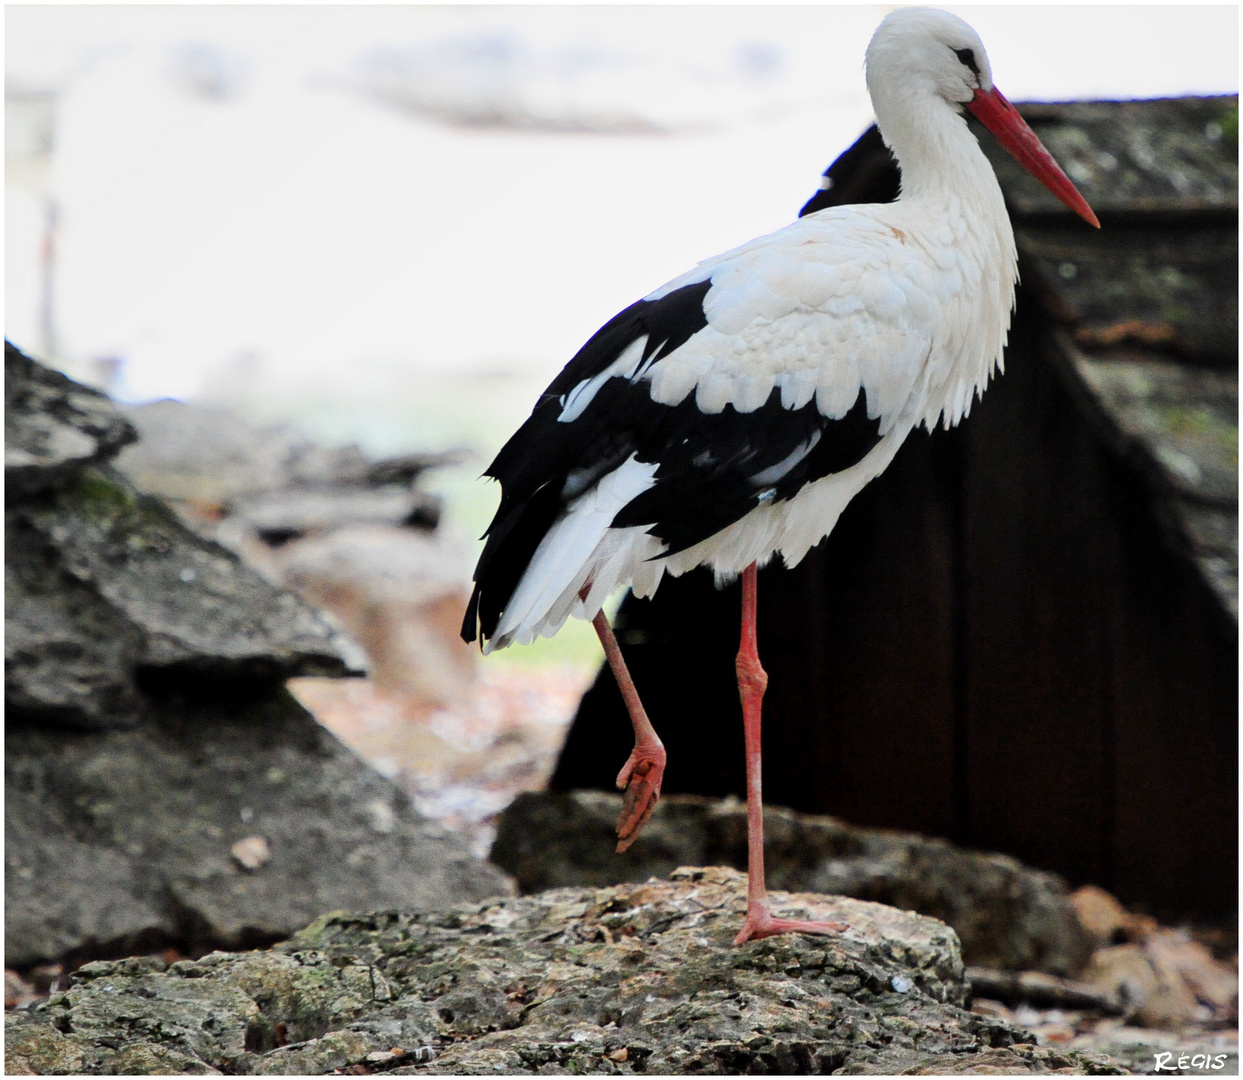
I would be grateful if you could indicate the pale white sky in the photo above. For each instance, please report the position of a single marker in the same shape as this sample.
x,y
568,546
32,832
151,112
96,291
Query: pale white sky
x,y
239,212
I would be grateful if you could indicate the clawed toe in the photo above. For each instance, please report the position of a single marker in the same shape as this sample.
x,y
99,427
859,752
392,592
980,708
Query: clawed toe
x,y
761,925
641,779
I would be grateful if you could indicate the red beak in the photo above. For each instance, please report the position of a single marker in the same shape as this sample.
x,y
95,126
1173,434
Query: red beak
x,y
1002,119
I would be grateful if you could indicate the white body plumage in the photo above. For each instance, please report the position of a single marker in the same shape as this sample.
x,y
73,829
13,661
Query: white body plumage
x,y
907,303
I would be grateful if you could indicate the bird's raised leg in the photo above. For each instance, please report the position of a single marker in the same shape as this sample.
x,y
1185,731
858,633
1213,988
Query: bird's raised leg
x,y
752,682
642,774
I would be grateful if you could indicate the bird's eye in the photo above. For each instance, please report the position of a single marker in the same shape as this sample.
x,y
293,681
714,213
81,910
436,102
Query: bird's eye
x,y
968,58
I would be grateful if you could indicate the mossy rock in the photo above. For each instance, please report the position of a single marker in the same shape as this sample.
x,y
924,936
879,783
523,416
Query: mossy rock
x,y
621,980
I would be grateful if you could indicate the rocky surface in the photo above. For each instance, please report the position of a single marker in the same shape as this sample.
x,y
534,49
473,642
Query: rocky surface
x,y
104,585
227,822
617,980
1006,915
53,426
162,787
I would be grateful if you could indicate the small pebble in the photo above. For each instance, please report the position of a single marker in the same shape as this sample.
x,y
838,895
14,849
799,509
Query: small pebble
x,y
251,852
901,984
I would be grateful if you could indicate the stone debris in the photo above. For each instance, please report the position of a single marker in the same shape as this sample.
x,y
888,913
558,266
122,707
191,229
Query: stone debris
x,y
606,981
354,536
1139,1049
1037,988
1105,920
252,852
209,461
1167,980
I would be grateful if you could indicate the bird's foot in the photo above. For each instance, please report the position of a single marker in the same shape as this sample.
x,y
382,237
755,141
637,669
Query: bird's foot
x,y
761,924
640,779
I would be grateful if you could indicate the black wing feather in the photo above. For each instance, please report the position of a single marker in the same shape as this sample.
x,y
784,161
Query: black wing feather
x,y
710,465
534,465
709,472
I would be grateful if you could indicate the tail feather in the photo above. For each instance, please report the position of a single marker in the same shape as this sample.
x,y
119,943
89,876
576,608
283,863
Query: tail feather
x,y
563,560
512,542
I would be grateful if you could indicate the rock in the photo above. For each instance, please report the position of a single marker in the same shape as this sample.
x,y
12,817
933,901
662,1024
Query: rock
x,y
1162,978
399,592
1214,984
103,583
1168,981
130,839
163,788
1143,990
614,980
213,457
1007,916
70,657
1037,988
351,535
1104,919
53,427
277,517
104,586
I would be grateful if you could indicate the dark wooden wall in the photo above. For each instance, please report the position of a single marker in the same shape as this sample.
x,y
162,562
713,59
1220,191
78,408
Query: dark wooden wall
x,y
997,644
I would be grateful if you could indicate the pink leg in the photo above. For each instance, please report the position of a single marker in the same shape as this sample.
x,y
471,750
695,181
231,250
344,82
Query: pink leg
x,y
642,774
752,682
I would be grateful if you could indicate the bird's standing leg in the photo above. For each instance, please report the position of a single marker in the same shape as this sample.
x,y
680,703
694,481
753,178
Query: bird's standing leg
x,y
752,682
642,774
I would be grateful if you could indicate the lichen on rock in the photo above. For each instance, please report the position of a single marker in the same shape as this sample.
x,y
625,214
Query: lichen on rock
x,y
618,980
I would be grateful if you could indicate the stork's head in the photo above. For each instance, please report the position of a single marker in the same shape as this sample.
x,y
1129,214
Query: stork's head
x,y
921,60
924,51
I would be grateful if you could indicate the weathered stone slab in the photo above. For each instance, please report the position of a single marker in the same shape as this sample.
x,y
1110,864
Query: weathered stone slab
x,y
1007,915
130,839
604,981
53,427
102,582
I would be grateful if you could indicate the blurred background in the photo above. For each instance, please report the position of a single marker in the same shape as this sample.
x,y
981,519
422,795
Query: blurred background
x,y
393,225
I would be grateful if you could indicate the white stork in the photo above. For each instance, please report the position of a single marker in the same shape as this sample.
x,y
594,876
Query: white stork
x,y
735,411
